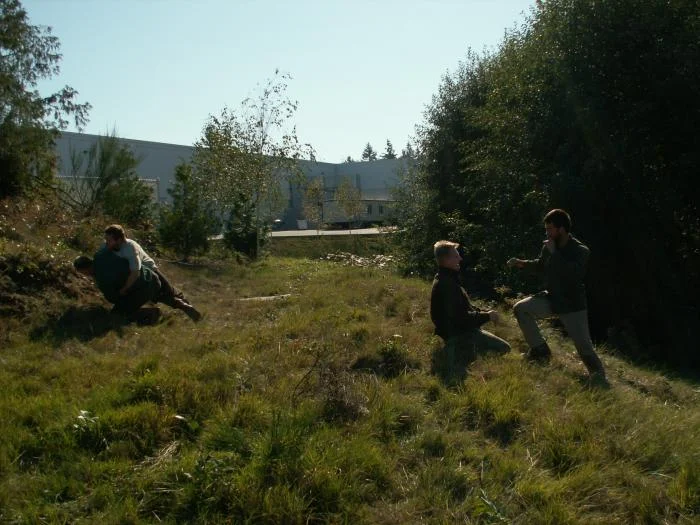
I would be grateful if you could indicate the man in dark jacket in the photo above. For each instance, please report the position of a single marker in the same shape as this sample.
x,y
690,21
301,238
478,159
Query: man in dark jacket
x,y
563,261
456,320
110,273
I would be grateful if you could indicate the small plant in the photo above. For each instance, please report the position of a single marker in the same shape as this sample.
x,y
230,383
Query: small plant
x,y
89,433
342,398
395,358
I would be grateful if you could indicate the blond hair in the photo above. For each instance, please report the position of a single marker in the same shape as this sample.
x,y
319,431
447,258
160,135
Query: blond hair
x,y
442,248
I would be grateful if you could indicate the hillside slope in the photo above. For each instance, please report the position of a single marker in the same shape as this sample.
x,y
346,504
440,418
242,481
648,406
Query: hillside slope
x,y
322,407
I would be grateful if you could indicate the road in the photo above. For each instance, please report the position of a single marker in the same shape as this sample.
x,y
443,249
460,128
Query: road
x,y
313,233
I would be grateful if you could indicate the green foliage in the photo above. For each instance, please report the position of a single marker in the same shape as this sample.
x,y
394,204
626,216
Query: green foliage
x,y
244,156
308,247
314,199
129,201
241,231
389,153
579,109
409,151
349,199
368,154
259,416
186,224
104,180
28,120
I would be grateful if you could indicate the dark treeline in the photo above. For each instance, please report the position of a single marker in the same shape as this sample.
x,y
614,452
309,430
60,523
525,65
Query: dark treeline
x,y
592,107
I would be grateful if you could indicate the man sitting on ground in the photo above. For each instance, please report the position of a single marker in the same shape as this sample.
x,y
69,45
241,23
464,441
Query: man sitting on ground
x,y
456,320
110,273
117,242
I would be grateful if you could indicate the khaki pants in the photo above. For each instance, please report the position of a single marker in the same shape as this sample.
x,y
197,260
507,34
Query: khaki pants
x,y
472,343
536,307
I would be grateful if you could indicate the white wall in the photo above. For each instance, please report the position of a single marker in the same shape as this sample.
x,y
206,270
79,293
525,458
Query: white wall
x,y
158,161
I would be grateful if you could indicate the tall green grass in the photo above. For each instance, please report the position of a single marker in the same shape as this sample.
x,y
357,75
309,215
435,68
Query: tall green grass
x,y
324,407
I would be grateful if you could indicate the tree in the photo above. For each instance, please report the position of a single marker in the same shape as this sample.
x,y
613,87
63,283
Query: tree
x,y
314,196
104,178
244,155
408,152
186,224
349,199
389,153
29,121
349,159
598,120
368,154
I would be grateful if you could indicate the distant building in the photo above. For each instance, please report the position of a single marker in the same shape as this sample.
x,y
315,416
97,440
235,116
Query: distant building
x,y
158,160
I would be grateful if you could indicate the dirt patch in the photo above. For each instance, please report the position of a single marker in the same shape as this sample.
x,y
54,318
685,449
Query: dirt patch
x,y
26,278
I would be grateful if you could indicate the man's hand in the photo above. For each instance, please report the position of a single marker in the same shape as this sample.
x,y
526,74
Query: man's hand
x,y
515,263
133,276
550,245
494,316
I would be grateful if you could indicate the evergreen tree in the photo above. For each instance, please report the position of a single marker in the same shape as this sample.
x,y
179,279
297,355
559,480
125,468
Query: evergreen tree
x,y
29,121
389,153
186,224
368,154
408,152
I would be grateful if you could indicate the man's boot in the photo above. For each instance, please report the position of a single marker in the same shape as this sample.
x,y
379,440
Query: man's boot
x,y
190,310
540,354
596,372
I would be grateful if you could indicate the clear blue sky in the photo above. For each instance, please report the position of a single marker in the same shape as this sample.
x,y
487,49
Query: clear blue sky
x,y
362,71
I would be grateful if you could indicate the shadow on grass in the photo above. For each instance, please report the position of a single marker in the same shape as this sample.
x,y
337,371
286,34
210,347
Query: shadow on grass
x,y
451,374
392,360
85,323
454,374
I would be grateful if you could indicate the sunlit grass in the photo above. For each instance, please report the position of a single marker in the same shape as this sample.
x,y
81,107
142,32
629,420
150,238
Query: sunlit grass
x,y
323,407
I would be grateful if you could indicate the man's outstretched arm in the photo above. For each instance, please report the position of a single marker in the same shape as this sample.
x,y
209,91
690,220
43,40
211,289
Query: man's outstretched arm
x,y
530,264
133,277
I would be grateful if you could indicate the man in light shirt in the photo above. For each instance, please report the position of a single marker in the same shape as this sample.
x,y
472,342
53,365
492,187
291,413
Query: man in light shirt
x,y
136,256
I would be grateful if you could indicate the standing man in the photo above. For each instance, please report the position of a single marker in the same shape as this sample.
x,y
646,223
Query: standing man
x,y
563,261
456,320
117,242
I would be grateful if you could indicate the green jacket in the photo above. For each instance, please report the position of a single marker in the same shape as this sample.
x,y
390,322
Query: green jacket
x,y
112,271
564,272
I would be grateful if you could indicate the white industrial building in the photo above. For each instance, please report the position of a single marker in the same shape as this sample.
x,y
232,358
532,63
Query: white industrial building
x,y
158,161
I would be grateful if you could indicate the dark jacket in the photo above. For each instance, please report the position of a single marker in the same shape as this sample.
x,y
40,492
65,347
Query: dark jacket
x,y
564,272
112,271
450,309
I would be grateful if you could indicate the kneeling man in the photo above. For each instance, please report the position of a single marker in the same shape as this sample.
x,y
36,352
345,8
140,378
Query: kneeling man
x,y
456,320
563,260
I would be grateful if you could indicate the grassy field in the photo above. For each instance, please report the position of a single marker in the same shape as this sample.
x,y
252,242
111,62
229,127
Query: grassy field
x,y
325,406
316,247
